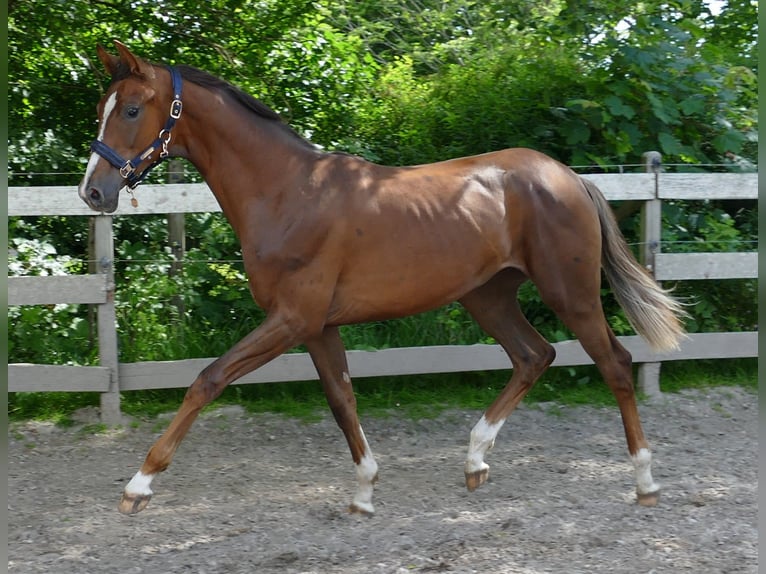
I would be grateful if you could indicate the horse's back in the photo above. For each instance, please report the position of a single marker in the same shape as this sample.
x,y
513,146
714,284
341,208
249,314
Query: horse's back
x,y
417,237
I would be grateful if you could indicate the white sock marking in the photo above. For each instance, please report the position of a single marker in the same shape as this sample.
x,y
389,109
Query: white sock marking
x,y
366,471
139,484
109,105
642,462
482,438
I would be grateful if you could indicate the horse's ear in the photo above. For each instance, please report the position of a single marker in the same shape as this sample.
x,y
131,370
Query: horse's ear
x,y
110,62
136,65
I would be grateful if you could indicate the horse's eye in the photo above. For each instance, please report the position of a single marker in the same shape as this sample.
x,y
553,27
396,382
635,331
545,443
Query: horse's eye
x,y
131,112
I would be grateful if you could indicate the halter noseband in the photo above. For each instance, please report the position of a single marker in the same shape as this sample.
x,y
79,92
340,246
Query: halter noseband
x,y
128,167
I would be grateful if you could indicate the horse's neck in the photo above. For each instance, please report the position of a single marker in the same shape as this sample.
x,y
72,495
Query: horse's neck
x,y
242,156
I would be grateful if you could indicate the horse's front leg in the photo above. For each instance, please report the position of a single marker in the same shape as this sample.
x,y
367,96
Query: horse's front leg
x,y
329,356
272,338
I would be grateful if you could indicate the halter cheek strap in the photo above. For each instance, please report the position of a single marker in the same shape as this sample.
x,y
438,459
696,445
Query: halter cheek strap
x,y
128,167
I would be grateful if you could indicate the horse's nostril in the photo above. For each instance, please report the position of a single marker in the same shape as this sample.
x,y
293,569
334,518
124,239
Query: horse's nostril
x,y
95,195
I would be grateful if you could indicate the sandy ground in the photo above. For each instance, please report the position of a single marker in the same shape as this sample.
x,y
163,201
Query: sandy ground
x,y
267,494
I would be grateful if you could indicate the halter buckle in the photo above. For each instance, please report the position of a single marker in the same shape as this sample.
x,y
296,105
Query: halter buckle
x,y
127,170
176,106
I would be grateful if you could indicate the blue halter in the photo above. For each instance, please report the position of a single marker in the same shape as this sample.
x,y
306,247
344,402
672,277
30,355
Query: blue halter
x,y
128,167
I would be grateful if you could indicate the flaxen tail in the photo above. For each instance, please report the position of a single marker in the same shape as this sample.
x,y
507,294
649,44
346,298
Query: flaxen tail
x,y
652,312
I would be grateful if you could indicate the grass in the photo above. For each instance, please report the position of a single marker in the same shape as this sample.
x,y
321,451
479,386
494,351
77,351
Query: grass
x,y
706,374
414,396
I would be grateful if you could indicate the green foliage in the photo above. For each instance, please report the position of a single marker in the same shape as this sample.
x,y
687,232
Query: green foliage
x,y
32,252
715,305
653,84
696,226
67,337
589,82
482,105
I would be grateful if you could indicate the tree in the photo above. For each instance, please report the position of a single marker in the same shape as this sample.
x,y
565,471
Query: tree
x,y
587,80
595,82
55,81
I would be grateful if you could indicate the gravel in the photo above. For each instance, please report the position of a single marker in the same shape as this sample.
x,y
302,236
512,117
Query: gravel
x,y
262,493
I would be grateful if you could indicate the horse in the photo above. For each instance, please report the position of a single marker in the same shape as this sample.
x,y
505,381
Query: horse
x,y
330,239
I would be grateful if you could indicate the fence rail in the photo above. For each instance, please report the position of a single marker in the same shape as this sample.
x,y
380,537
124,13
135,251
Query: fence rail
x,y
112,377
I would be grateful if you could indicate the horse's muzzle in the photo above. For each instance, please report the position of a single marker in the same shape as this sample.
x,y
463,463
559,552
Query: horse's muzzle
x,y
97,199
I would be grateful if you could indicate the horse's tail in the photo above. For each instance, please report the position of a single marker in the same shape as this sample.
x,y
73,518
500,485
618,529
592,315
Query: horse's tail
x,y
652,312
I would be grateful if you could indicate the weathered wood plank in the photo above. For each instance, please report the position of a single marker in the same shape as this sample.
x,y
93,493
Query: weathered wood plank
x,y
152,199
27,378
436,359
54,289
197,198
175,374
740,345
698,186
624,186
412,360
705,266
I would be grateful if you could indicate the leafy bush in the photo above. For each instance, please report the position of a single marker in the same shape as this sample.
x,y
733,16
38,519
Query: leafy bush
x,y
715,305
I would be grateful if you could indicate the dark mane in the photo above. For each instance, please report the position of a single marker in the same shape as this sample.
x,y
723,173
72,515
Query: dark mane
x,y
212,83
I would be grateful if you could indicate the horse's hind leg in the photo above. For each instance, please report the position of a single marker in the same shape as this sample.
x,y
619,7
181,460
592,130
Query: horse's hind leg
x,y
329,357
495,308
579,307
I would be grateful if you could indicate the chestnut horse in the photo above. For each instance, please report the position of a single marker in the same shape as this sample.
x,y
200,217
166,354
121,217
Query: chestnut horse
x,y
330,239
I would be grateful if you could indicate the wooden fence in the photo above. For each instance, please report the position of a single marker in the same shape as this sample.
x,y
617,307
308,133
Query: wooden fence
x,y
113,377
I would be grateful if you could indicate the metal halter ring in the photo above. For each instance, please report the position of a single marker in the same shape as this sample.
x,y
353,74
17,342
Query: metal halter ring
x,y
165,136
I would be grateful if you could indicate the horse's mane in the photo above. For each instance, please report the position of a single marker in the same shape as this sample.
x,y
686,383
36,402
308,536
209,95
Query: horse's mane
x,y
213,83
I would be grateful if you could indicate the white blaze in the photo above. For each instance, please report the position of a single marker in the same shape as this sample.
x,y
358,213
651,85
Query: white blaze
x,y
111,102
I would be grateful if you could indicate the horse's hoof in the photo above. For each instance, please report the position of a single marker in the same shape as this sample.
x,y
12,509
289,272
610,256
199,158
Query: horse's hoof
x,y
474,480
133,503
360,508
649,499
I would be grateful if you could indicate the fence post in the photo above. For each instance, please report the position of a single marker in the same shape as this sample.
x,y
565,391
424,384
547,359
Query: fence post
x,y
177,234
107,320
651,229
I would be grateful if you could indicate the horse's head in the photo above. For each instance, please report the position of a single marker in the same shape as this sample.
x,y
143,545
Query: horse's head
x,y
135,118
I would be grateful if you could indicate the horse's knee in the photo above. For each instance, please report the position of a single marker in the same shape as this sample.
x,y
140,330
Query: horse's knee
x,y
206,388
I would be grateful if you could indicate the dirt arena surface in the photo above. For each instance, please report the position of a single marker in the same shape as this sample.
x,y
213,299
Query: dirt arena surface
x,y
268,494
